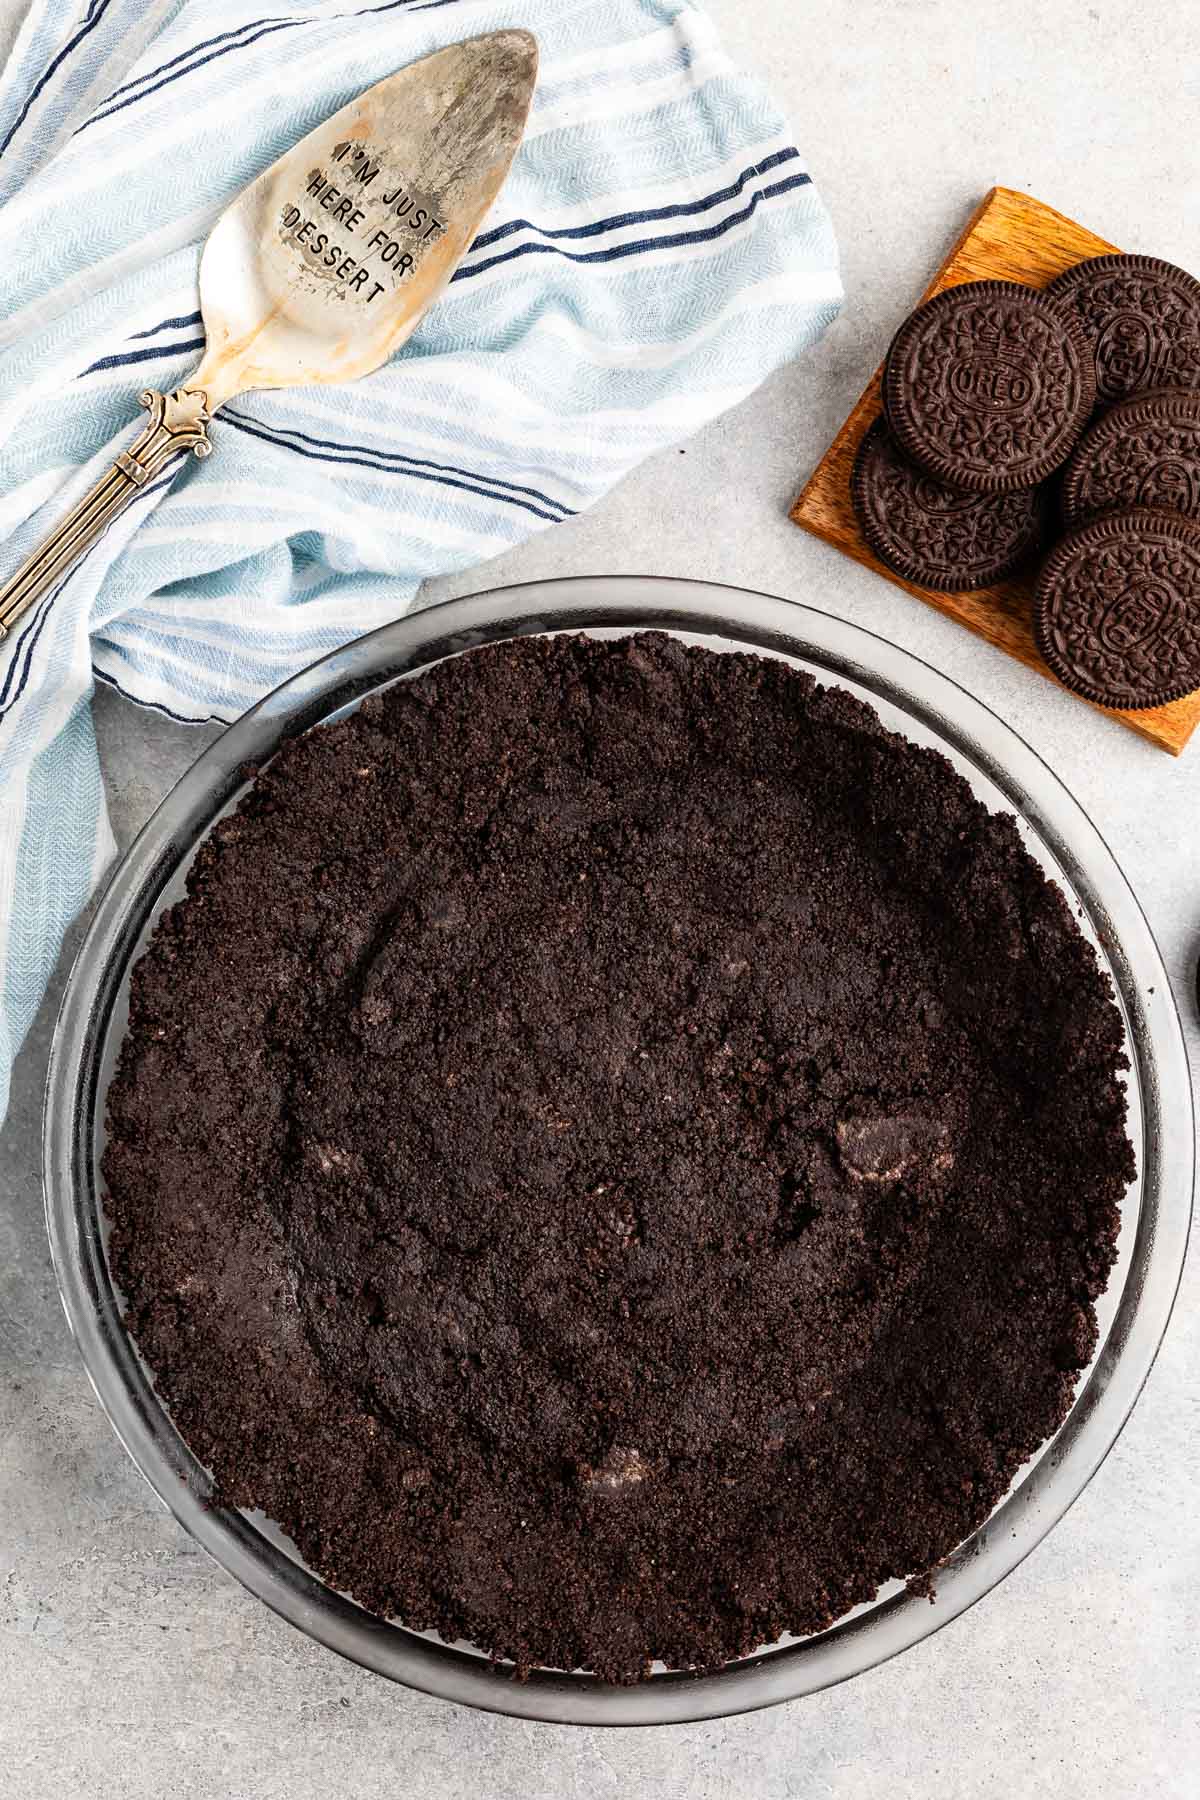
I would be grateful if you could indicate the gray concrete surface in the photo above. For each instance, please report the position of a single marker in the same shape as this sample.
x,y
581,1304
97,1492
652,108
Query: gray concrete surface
x,y
129,1665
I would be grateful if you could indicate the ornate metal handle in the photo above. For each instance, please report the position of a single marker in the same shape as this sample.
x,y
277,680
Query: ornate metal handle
x,y
177,422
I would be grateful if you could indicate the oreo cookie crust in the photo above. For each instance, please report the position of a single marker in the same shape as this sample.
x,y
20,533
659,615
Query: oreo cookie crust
x,y
1141,318
988,387
1117,609
616,1152
935,535
1143,452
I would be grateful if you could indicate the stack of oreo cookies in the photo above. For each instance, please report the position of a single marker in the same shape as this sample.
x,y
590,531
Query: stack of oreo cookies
x,y
1016,420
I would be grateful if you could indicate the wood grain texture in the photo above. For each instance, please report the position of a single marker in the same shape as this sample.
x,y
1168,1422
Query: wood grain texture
x,y
1011,237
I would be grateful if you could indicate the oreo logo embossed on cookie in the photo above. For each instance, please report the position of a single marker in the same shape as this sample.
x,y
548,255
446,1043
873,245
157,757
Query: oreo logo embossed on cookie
x,y
1143,452
935,535
988,386
1141,317
1117,609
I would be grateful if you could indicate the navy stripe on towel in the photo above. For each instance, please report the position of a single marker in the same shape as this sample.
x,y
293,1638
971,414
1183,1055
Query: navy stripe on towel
x,y
157,705
683,208
90,23
29,641
400,457
363,461
22,660
673,240
259,27
192,318
134,356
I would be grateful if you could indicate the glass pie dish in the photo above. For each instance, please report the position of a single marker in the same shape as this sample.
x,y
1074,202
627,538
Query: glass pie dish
x,y
910,697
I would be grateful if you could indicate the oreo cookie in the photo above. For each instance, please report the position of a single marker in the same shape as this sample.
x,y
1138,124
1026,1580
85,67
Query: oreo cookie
x,y
1144,452
1117,609
989,386
935,535
1141,317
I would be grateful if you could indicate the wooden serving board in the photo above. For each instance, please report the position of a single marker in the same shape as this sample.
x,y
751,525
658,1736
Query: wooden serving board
x,y
1010,238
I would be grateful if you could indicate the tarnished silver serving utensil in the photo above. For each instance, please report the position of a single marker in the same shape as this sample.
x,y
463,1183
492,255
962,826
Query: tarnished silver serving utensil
x,y
325,264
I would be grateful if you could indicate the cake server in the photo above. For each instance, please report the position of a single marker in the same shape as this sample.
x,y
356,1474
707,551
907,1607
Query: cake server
x,y
325,264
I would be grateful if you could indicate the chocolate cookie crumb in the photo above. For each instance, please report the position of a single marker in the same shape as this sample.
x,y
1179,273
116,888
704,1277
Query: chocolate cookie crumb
x,y
629,1173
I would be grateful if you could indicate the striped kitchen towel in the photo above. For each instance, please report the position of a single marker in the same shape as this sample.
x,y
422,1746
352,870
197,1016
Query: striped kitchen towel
x,y
656,252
